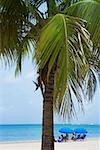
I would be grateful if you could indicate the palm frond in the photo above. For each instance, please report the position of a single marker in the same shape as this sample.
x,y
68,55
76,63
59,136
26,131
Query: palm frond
x,y
63,4
90,84
13,24
25,49
73,96
88,10
18,27
62,43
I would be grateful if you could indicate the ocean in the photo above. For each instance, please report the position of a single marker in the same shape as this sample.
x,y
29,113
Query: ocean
x,y
34,132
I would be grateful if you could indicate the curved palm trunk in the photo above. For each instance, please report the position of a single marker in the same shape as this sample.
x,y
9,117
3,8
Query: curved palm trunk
x,y
47,122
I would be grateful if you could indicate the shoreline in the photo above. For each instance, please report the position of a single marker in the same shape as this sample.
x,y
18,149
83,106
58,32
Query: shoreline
x,y
87,144
33,141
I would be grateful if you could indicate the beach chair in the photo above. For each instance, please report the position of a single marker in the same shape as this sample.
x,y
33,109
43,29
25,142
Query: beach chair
x,y
83,137
78,137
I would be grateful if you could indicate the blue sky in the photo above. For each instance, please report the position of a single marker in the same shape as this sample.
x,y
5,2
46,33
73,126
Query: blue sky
x,y
20,104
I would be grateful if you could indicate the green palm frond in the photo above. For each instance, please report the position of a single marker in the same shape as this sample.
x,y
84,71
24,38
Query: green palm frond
x,y
88,10
90,84
26,49
63,4
13,24
67,108
33,9
27,46
61,42
73,92
17,27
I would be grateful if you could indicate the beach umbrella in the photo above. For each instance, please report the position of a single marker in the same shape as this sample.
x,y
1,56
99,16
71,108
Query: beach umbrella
x,y
66,130
80,130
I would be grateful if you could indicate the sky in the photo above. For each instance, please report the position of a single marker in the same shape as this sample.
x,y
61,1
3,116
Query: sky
x,y
21,104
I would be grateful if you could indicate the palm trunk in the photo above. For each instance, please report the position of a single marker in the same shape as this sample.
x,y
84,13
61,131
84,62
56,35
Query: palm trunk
x,y
47,122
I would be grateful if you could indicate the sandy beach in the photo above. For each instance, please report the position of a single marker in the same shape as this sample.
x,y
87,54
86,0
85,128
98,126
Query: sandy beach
x,y
88,144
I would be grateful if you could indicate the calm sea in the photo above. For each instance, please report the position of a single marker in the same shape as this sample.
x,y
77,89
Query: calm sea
x,y
33,132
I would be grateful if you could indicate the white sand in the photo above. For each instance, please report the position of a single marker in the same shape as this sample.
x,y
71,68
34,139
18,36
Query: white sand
x,y
88,144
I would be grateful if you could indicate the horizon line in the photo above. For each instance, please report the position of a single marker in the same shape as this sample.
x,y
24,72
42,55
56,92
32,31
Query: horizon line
x,y
54,124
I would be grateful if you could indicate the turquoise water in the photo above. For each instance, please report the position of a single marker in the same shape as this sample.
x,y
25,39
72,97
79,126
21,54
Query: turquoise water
x,y
34,132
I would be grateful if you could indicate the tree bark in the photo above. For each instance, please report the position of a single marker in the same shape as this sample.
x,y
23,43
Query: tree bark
x,y
47,122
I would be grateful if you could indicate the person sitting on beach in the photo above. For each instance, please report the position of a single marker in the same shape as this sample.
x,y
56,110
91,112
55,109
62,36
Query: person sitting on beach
x,y
83,136
73,137
60,139
67,137
78,136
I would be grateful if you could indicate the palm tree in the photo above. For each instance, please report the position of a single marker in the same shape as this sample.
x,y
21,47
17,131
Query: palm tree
x,y
67,59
